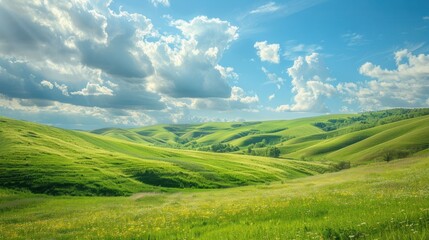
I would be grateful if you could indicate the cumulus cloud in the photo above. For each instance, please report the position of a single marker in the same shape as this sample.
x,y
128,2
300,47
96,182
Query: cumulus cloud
x,y
227,72
187,66
84,54
268,52
405,86
80,46
309,85
94,90
47,84
271,97
165,3
238,100
266,8
63,88
72,116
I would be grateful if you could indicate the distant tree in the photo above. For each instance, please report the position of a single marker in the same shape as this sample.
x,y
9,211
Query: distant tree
x,y
388,156
273,152
261,144
221,148
249,149
342,165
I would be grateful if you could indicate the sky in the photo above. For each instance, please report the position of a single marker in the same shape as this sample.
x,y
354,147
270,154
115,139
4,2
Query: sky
x,y
87,64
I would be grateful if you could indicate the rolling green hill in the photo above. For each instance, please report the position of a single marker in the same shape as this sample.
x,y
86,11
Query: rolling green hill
x,y
357,138
167,193
402,139
113,161
54,161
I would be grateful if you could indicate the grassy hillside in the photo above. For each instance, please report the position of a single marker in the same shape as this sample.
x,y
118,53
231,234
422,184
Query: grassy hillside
x,y
400,139
49,160
186,194
236,133
358,138
375,201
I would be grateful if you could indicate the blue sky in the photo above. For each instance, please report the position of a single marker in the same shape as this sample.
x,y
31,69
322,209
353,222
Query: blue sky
x,y
91,64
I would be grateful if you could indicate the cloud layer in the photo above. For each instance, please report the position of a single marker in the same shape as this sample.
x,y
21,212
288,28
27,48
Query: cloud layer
x,y
84,54
405,86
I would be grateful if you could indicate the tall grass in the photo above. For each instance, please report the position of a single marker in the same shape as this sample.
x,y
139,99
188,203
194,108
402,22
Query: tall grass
x,y
377,201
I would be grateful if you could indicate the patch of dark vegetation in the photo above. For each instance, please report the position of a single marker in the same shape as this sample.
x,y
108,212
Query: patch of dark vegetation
x,y
276,130
197,134
244,124
371,119
262,140
40,185
147,133
31,134
261,149
167,179
103,130
180,129
391,154
342,165
222,148
241,134
208,128
340,234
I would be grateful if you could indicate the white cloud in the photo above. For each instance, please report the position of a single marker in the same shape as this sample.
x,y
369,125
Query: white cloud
x,y
266,8
94,89
165,3
47,84
187,65
72,116
227,72
349,90
282,108
238,100
63,88
268,52
271,97
83,54
405,86
309,85
273,78
79,44
425,18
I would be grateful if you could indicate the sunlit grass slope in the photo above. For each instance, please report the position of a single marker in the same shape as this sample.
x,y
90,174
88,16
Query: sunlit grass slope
x,y
236,133
400,139
49,160
356,138
375,201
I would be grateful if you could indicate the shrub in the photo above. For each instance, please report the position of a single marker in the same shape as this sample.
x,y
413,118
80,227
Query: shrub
x,y
342,165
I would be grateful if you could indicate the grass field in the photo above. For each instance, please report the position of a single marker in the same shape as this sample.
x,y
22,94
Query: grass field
x,y
376,201
121,184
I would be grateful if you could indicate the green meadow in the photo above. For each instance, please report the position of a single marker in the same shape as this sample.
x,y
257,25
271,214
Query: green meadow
x,y
356,176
